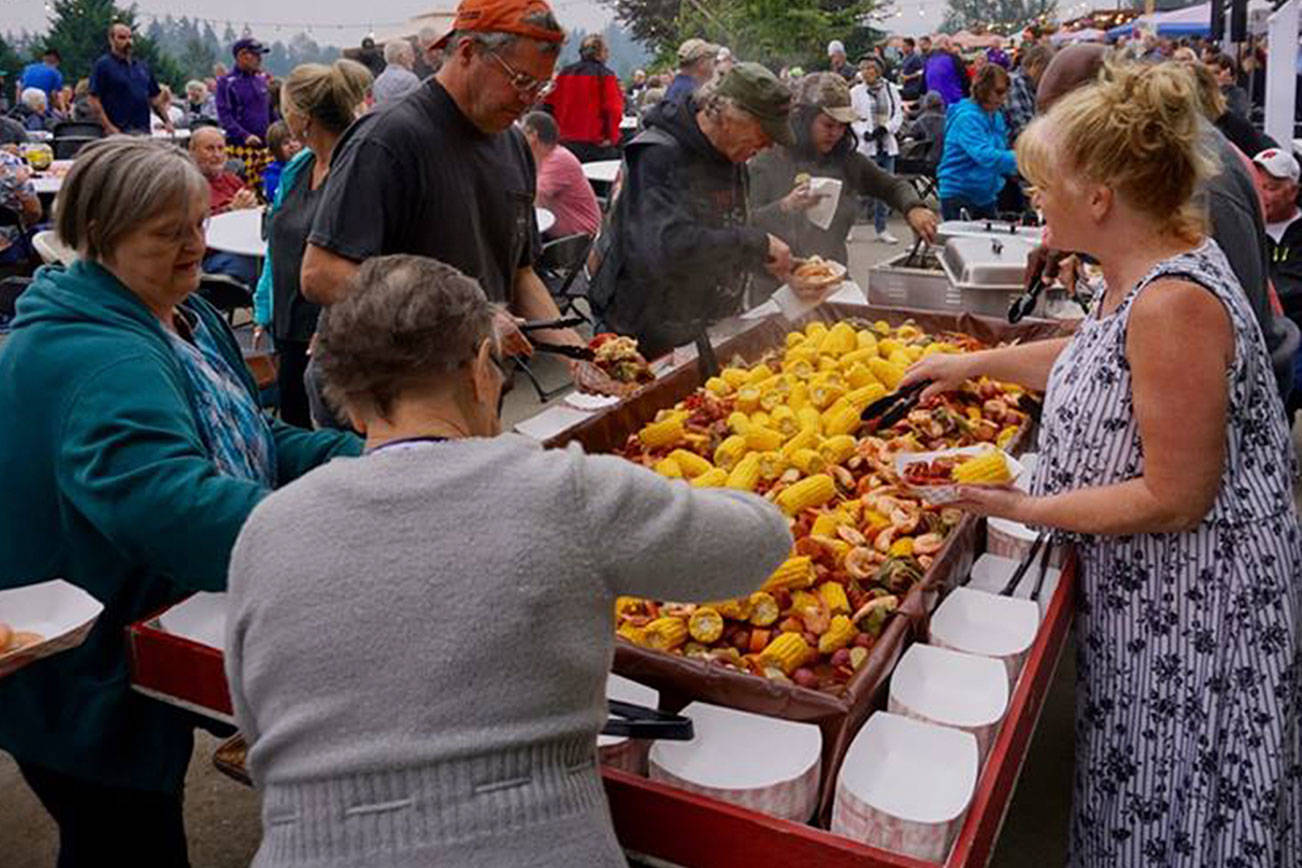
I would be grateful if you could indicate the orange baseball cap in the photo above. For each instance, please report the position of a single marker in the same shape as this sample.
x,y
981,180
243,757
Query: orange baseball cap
x,y
531,18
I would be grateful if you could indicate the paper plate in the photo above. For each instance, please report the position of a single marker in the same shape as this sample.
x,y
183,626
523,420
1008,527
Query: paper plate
x,y
941,494
584,401
201,618
950,688
991,572
986,624
59,611
905,786
761,763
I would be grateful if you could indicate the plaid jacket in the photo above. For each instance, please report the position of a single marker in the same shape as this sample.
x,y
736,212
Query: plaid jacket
x,y
1020,107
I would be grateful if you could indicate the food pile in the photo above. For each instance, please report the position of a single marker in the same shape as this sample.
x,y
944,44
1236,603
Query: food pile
x,y
13,640
817,272
619,358
986,468
786,428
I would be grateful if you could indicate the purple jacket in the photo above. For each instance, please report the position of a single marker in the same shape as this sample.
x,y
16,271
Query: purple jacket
x,y
243,106
946,75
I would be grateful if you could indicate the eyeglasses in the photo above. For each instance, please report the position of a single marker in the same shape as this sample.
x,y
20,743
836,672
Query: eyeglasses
x,y
524,83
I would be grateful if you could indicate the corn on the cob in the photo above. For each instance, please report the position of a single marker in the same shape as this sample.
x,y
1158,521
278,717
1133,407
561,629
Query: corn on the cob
x,y
666,634
705,625
735,377
843,419
776,395
719,386
939,347
748,398
874,520
803,600
763,439
799,367
913,351
788,652
737,610
760,418
901,359
633,633
882,327
738,422
793,573
840,634
988,468
808,461
889,374
715,477
763,609
794,339
758,374
865,395
859,376
827,364
902,547
730,451
839,340
691,464
887,346
627,606
772,465
826,524
837,449
810,417
816,331
746,474
833,594
855,357
1006,436
805,438
664,433
909,331
783,420
799,396
668,467
824,390
867,340
813,490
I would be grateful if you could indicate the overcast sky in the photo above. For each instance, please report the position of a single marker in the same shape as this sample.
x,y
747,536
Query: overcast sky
x,y
343,22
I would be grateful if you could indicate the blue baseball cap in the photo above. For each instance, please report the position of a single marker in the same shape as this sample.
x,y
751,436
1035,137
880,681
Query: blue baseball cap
x,y
248,44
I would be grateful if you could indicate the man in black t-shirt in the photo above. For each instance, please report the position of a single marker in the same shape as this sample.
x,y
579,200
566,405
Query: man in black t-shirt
x,y
443,173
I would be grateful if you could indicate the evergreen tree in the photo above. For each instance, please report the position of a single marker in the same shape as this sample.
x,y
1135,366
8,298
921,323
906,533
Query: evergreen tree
x,y
999,16
79,31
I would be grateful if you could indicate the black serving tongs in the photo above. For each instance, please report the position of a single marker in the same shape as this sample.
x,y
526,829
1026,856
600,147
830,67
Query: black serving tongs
x,y
885,412
582,354
1042,541
541,324
627,720
1025,303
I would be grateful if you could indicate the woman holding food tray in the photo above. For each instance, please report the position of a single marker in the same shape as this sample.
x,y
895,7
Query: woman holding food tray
x,y
1165,458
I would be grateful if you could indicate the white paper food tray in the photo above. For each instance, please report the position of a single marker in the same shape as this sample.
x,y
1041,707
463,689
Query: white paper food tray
x,y
940,494
58,610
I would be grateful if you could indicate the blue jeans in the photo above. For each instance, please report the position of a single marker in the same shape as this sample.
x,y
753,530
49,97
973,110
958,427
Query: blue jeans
x,y
951,209
242,268
885,162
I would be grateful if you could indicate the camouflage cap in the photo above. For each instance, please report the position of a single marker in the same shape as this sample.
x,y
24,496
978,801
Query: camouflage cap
x,y
829,92
695,49
758,92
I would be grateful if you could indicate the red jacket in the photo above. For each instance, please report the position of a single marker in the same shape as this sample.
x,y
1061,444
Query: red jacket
x,y
587,102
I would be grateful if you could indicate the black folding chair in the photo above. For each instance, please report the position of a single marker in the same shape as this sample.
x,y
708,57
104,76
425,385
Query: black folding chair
x,y
561,268
913,166
71,136
226,294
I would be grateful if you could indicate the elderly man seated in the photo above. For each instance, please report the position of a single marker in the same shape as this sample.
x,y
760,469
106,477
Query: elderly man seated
x,y
33,110
227,192
563,189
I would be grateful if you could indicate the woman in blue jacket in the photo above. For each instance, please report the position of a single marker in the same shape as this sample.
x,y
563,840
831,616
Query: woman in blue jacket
x,y
134,450
976,159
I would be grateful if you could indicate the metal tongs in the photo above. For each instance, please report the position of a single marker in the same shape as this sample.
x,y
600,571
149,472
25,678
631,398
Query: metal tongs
x,y
627,720
1042,541
1025,303
885,412
582,354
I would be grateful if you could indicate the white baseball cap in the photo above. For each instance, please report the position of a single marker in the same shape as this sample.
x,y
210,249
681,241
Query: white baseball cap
x,y
835,47
1279,164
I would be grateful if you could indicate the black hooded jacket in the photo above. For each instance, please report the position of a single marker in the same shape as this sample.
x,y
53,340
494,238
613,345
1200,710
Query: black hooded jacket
x,y
678,253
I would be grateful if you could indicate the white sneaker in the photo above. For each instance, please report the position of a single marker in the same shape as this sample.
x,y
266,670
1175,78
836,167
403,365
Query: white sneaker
x,y
885,237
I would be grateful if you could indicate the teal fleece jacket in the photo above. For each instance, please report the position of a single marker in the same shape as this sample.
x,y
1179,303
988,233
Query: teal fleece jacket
x,y
107,484
976,158
264,294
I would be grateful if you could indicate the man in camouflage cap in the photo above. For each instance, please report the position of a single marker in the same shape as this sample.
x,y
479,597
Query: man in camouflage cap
x,y
681,250
696,60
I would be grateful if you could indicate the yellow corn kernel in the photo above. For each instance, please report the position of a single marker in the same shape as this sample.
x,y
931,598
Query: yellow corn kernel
x,y
1006,436
826,525
813,490
801,368
738,422
808,461
852,509
735,377
840,634
795,339
690,463
771,465
668,467
864,396
914,352
839,340
909,331
802,600
867,340
810,417
837,449
746,475
788,652
827,363
799,396
737,610
760,419
783,420
805,438
889,375
859,376
887,346
763,439
759,374
842,419
715,477
664,433
984,469
774,394
855,357
666,634
823,391
939,347
833,594
874,520
792,574
902,547
763,610
719,386
730,451
882,327
816,331
634,634
901,359
748,398
705,625
806,351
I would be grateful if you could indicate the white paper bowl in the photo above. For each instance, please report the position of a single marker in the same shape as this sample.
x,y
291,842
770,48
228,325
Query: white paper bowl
x,y
941,494
991,572
988,625
905,786
59,611
761,763
201,618
950,688
1013,540
627,754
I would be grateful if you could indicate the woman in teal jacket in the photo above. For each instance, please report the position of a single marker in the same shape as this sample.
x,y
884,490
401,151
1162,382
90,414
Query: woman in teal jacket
x,y
976,160
134,450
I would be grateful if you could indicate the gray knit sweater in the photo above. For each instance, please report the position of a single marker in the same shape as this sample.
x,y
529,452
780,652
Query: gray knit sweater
x,y
418,644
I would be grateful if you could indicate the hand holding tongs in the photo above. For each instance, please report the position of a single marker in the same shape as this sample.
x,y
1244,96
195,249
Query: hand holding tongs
x,y
582,354
885,412
636,721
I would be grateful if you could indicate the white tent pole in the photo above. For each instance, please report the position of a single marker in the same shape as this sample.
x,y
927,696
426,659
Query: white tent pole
x,y
1281,72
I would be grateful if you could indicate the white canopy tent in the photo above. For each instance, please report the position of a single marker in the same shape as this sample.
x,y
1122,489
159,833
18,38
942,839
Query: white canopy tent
x,y
439,19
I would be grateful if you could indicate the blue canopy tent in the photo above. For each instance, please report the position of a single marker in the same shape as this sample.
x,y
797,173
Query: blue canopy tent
x,y
1190,21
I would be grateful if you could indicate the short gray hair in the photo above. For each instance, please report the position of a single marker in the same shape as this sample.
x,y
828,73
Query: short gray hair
x,y
501,41
118,183
408,321
398,50
34,98
196,84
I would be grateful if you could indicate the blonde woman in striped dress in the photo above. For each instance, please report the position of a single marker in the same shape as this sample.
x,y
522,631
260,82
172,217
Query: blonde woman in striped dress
x,y
1165,457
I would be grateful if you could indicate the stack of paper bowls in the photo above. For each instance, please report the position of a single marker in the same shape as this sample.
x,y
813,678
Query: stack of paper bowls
x,y
761,763
991,572
950,688
626,754
905,786
988,625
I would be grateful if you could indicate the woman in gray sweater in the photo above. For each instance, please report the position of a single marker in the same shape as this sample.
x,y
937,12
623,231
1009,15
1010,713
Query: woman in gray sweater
x,y
419,638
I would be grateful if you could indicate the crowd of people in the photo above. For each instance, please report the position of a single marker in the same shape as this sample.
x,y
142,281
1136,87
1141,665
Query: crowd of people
x,y
402,252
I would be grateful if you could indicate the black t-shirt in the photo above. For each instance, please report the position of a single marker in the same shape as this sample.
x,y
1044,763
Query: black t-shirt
x,y
294,317
418,177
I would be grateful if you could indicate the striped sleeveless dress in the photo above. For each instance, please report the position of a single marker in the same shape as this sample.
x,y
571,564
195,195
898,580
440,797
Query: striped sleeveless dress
x,y
1188,696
